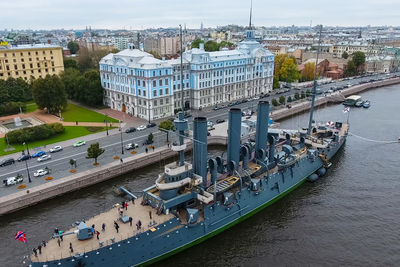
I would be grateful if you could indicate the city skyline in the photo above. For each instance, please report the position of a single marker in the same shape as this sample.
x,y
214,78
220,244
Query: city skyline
x,y
138,15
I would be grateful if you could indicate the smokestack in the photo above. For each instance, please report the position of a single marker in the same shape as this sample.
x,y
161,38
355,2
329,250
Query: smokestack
x,y
234,128
262,129
200,148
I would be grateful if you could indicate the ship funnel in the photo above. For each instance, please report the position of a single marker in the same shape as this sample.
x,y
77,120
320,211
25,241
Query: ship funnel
x,y
213,165
200,148
262,129
271,141
235,120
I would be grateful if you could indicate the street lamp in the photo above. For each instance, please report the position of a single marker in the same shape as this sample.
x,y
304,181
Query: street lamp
x,y
106,123
27,170
122,145
26,145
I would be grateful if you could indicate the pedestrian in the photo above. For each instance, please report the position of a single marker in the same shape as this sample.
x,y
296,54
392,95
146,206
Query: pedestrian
x,y
150,214
43,243
70,248
122,204
140,224
126,206
146,150
133,201
116,226
130,221
59,242
137,226
56,231
121,213
76,122
121,160
103,227
34,251
60,234
153,148
93,226
40,249
97,235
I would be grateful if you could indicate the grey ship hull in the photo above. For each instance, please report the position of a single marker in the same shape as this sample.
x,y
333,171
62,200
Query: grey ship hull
x,y
172,237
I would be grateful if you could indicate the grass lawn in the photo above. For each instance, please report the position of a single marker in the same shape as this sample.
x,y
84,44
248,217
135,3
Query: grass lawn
x,y
70,133
81,114
30,106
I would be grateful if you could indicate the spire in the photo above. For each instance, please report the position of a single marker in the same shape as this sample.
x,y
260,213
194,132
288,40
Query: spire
x,y
251,9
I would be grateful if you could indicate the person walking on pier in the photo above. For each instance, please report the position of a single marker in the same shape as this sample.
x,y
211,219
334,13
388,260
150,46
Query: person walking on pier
x,y
130,221
140,224
116,226
126,205
70,248
34,251
150,214
146,150
59,242
40,249
97,234
103,227
43,243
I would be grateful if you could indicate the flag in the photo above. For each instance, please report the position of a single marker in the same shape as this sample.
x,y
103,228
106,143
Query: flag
x,y
346,109
21,236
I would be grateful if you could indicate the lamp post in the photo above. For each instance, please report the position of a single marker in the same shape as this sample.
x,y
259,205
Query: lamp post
x,y
106,123
27,170
26,145
122,145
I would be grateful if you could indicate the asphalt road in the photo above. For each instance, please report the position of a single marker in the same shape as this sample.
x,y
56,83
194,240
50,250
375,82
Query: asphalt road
x,y
59,163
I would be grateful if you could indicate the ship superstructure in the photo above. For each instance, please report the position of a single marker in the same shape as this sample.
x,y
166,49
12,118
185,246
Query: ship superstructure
x,y
192,201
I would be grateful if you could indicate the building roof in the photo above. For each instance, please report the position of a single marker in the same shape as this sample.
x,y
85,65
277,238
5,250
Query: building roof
x,y
28,46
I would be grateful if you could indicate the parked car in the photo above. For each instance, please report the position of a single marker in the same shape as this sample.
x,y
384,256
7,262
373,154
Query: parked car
x,y
13,180
220,121
6,162
151,124
56,149
24,157
79,143
208,133
216,108
130,130
131,146
40,172
210,124
38,154
141,128
44,158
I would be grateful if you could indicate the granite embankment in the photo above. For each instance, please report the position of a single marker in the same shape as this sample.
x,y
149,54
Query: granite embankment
x,y
51,189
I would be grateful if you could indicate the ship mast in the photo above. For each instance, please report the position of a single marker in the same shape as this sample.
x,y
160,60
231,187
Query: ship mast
x,y
314,89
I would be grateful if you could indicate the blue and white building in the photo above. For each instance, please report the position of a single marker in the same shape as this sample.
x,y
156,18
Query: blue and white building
x,y
137,83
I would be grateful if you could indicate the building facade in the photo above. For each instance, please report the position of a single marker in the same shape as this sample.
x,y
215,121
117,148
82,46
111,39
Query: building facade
x,y
30,61
141,85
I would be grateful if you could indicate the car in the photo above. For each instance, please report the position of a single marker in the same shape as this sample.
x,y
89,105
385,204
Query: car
x,y
44,158
220,121
40,172
210,124
13,180
56,149
7,162
130,130
141,127
208,133
151,124
24,157
38,154
79,143
216,108
131,146
187,115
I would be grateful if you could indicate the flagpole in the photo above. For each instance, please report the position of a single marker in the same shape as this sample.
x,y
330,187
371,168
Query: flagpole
x,y
348,115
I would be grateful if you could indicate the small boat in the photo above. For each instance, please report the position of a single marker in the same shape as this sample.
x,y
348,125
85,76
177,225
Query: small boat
x,y
366,104
359,103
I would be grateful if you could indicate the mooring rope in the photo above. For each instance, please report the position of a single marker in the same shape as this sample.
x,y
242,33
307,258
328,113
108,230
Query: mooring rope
x,y
375,141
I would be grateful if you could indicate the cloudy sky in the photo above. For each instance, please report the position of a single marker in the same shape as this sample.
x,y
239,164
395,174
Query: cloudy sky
x,y
141,14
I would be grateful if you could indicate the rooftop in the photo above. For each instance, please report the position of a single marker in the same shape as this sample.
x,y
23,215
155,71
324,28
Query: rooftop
x,y
28,46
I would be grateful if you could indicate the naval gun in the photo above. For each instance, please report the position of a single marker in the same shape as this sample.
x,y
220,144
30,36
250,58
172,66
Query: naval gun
x,y
83,232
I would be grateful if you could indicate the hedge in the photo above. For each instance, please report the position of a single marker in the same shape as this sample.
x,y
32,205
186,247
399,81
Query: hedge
x,y
11,108
35,133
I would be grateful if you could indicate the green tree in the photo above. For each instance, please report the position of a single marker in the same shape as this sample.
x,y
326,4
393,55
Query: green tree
x,y
166,126
73,47
72,80
282,99
196,43
358,59
211,46
303,94
225,44
49,92
345,55
93,91
274,102
308,72
289,99
289,72
350,69
276,82
94,151
296,96
150,137
308,92
70,63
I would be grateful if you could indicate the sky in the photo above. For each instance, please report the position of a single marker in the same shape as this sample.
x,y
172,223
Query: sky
x,y
143,14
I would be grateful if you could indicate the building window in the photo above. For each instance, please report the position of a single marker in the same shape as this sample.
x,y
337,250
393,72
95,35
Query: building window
x,y
144,83
161,92
160,82
155,93
144,93
166,81
166,91
154,83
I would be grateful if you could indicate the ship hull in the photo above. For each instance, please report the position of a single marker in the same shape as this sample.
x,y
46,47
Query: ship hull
x,y
172,236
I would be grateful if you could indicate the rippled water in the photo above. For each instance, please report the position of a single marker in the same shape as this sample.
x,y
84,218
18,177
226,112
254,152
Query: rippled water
x,y
349,217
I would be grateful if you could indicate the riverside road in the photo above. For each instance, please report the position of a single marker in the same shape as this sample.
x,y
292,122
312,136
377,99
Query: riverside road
x,y
59,163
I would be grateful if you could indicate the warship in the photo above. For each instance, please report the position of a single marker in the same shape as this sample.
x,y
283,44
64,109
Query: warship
x,y
193,201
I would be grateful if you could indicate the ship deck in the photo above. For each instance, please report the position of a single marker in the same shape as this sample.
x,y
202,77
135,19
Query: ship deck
x,y
137,211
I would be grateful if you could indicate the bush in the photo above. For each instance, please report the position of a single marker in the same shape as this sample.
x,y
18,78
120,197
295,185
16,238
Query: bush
x,y
274,102
94,129
11,108
35,133
282,99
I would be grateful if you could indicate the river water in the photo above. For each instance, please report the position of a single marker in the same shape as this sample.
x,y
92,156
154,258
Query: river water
x,y
349,217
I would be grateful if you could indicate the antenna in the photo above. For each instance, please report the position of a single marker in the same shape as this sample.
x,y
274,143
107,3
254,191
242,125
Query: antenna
x,y
314,90
251,9
182,99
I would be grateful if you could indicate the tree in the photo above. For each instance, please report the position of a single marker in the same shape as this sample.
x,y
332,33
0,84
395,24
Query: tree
x,y
289,99
225,44
308,72
150,137
308,92
345,55
166,126
73,47
303,94
72,80
276,82
155,54
94,151
49,92
358,58
296,96
70,63
282,99
93,91
350,69
196,43
72,163
274,102
289,72
211,46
